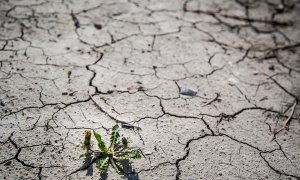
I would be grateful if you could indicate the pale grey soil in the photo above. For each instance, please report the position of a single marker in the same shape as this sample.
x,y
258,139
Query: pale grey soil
x,y
200,86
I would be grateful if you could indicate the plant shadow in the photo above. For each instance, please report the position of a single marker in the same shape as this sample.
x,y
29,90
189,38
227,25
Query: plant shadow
x,y
88,164
128,171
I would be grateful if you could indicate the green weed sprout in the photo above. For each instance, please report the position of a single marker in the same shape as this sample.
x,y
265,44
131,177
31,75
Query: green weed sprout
x,y
117,150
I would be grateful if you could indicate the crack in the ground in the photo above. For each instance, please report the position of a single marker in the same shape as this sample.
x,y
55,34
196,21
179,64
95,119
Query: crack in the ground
x,y
34,19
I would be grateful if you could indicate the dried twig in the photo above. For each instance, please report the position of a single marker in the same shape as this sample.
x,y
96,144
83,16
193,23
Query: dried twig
x,y
270,50
288,120
211,101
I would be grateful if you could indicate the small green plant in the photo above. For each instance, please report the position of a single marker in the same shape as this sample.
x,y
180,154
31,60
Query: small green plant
x,y
117,151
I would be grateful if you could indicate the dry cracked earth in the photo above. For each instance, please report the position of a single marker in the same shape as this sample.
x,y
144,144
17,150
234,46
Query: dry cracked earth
x,y
206,89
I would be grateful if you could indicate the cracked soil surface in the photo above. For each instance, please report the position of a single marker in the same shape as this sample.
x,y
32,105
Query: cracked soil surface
x,y
203,88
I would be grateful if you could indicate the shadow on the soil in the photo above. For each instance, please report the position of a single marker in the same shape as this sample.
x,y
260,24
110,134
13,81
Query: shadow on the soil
x,y
128,171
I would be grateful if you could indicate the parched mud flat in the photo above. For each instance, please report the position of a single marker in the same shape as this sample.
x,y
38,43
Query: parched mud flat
x,y
206,89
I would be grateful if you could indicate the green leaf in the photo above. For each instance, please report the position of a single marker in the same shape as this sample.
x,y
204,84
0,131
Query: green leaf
x,y
125,142
87,142
133,154
116,166
82,155
114,136
102,164
101,143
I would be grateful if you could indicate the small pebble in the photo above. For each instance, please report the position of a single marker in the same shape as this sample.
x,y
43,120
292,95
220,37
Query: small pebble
x,y
188,92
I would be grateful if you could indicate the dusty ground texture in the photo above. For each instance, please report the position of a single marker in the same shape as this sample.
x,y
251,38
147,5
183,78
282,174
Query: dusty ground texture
x,y
203,88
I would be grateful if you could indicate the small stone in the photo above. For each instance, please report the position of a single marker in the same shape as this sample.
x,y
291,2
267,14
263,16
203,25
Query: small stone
x,y
98,26
2,103
110,92
188,92
148,153
233,81
7,163
280,8
116,14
